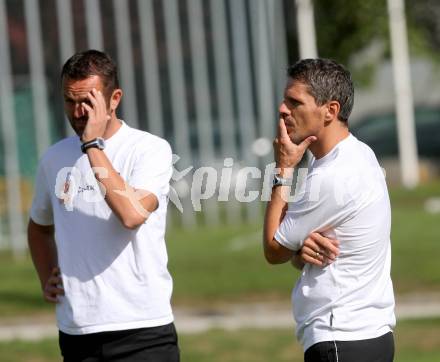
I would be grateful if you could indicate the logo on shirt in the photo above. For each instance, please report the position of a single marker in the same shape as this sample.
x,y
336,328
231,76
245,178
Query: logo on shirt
x,y
71,183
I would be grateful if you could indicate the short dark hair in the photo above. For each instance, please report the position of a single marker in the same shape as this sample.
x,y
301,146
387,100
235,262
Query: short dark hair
x,y
326,81
92,62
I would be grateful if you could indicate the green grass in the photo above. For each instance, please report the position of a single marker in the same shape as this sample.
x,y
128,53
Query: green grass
x,y
207,267
415,240
19,288
416,341
225,264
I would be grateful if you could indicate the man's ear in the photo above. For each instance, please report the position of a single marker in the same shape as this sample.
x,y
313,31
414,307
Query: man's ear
x,y
115,99
332,111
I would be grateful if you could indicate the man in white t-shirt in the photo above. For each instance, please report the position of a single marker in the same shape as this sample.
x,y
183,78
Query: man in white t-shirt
x,y
343,302
97,226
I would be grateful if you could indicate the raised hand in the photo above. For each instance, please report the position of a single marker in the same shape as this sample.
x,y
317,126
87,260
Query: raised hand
x,y
98,116
287,153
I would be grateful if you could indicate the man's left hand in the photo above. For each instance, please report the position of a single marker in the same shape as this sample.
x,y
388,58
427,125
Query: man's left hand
x,y
319,250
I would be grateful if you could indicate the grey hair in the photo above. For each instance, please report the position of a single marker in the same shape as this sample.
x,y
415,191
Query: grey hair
x,y
326,81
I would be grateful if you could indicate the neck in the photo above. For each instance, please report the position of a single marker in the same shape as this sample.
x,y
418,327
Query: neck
x,y
113,126
329,138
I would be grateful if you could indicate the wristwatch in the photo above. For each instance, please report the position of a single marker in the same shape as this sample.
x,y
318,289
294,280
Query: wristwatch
x,y
280,181
98,143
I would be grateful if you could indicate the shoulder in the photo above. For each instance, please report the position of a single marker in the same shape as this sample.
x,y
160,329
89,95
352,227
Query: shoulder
x,y
60,148
360,173
353,156
148,143
357,148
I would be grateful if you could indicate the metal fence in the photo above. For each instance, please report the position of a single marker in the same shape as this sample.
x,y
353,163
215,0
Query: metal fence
x,y
205,74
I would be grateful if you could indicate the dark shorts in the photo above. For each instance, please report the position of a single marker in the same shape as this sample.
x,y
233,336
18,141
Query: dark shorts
x,y
380,349
156,344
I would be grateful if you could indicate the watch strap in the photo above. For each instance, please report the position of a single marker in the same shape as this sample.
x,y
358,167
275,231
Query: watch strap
x,y
281,181
95,143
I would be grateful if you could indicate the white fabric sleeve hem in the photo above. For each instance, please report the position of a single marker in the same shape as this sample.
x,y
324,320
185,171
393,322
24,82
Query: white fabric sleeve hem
x,y
40,221
284,242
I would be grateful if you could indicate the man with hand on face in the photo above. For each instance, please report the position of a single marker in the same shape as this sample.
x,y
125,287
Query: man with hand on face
x,y
97,225
343,302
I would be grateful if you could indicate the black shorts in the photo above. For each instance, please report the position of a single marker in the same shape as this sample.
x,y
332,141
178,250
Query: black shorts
x,y
156,344
380,349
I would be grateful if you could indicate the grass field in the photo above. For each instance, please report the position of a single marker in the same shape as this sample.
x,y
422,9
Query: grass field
x,y
225,264
416,341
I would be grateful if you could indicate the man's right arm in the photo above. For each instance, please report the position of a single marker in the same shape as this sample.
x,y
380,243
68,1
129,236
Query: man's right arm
x,y
43,250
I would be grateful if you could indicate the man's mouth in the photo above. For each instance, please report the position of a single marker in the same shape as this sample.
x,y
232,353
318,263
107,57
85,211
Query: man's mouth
x,y
289,126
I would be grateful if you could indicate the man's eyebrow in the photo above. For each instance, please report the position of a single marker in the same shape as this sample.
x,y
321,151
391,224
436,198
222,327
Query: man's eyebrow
x,y
78,99
293,99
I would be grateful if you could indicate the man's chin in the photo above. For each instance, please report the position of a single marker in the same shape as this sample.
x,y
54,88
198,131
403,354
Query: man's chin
x,y
295,139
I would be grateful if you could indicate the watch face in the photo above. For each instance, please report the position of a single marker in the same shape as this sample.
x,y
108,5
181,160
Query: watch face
x,y
276,181
101,143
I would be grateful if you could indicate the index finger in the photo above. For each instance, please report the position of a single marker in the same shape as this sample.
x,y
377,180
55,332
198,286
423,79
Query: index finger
x,y
93,97
282,130
99,95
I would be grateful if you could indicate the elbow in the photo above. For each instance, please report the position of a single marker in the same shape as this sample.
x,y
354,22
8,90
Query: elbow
x,y
132,223
276,253
272,258
270,254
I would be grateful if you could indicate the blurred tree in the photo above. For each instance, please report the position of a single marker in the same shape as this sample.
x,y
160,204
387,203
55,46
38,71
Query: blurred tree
x,y
346,27
423,21
356,32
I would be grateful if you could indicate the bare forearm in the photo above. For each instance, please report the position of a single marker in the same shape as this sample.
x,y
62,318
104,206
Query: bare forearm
x,y
119,196
42,249
275,211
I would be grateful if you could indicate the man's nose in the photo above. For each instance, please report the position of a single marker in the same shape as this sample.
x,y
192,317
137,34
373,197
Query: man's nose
x,y
78,110
283,109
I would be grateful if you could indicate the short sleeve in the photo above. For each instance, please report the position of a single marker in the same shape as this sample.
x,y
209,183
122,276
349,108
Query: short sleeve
x,y
153,169
41,211
324,206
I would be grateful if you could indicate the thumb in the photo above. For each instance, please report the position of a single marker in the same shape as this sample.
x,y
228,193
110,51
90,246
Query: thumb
x,y
307,142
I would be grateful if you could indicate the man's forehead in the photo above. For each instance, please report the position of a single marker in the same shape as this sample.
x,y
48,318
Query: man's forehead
x,y
296,86
82,85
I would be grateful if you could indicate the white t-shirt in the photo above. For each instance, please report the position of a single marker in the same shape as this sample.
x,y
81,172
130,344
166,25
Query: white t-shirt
x,y
344,196
114,278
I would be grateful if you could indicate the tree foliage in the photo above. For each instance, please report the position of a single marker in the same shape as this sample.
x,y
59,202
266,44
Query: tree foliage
x,y
356,32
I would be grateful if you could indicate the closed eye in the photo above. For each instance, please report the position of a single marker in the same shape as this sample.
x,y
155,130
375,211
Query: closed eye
x,y
79,101
293,102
